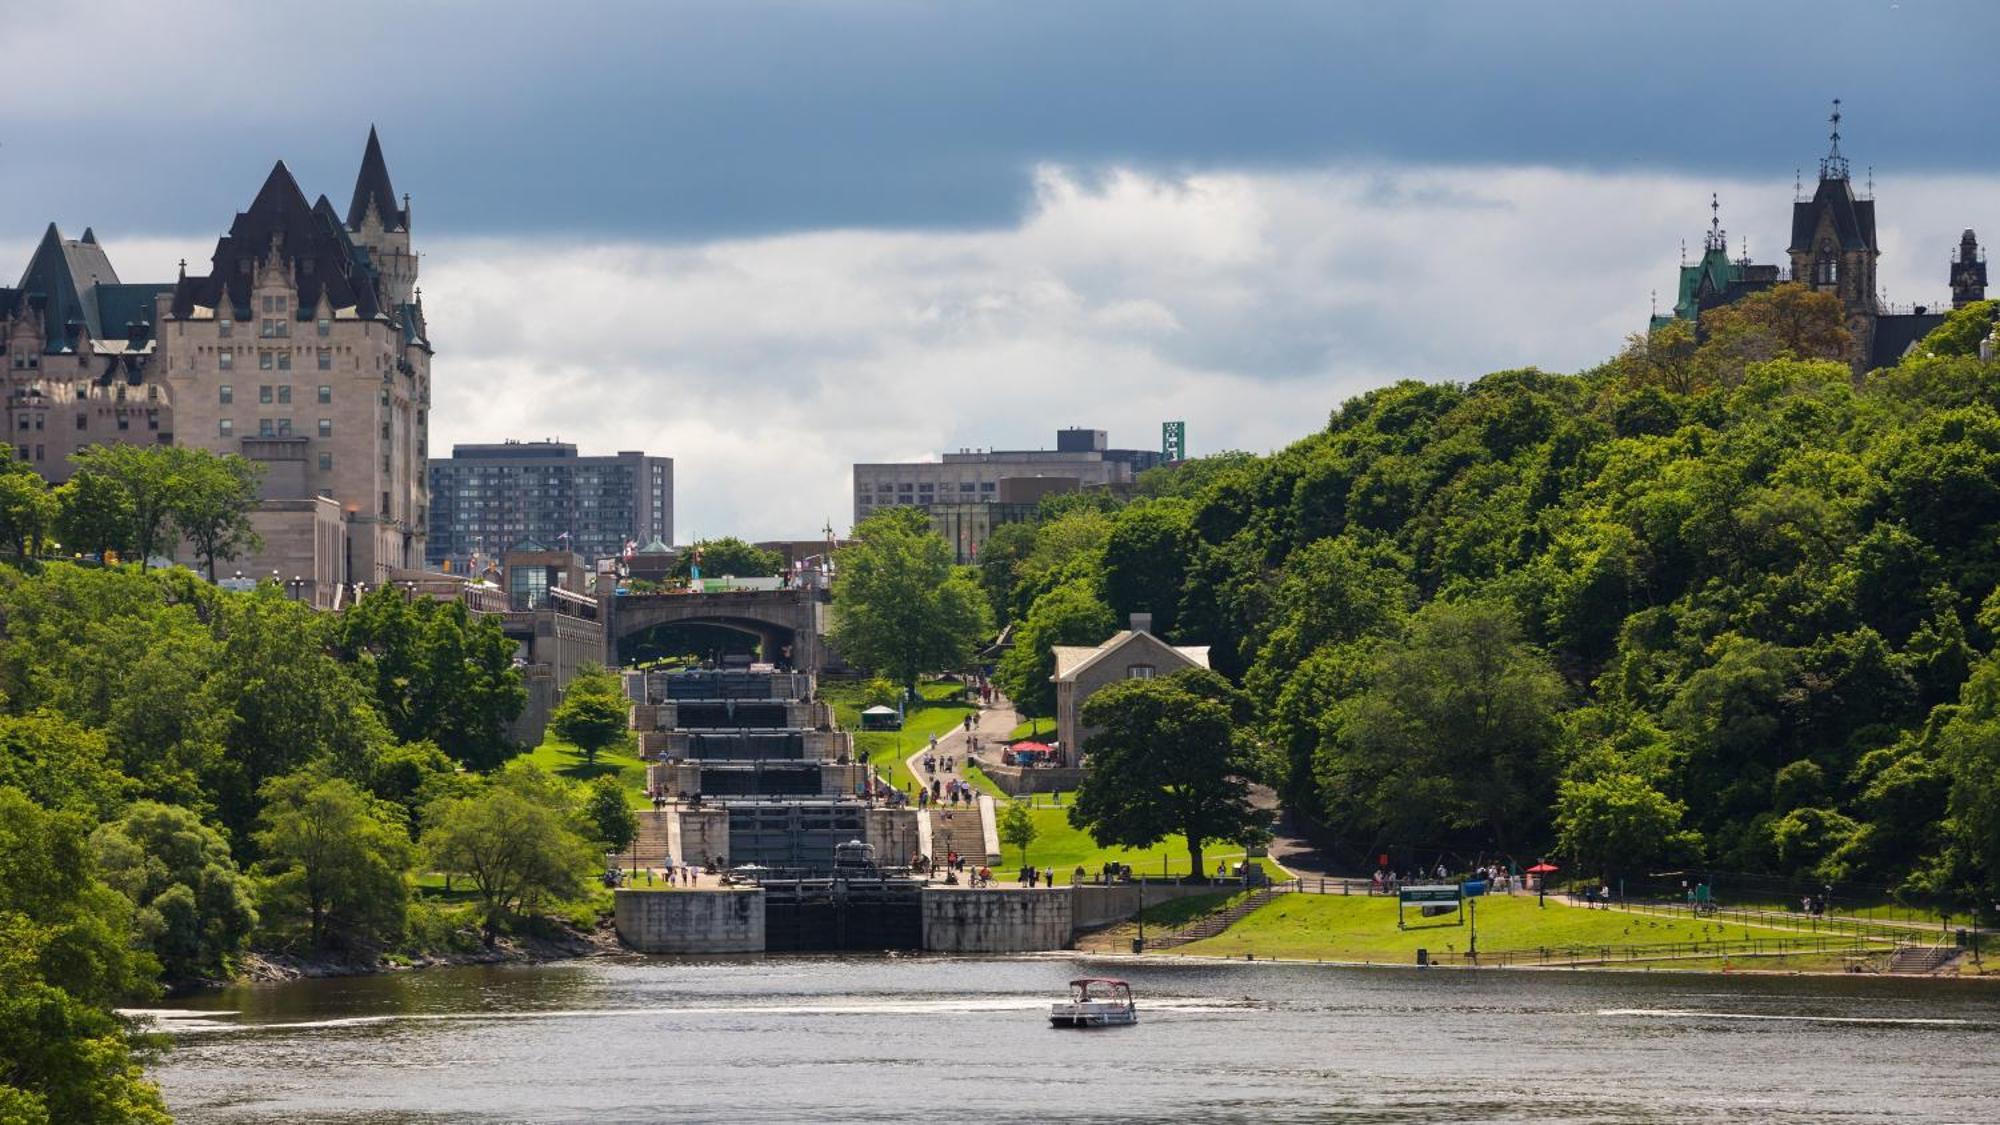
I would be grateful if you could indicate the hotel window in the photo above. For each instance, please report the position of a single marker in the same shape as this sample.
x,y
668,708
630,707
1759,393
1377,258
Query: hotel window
x,y
38,453
284,427
264,394
24,421
225,328
225,427
326,427
266,361
325,327
225,394
226,361
284,361
326,359
325,394
124,423
285,394
326,462
83,421
266,428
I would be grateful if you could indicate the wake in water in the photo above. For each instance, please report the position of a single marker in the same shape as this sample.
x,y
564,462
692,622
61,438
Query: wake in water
x,y
191,1021
1694,1013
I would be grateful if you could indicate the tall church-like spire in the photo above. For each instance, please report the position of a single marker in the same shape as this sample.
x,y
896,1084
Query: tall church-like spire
x,y
372,187
1833,166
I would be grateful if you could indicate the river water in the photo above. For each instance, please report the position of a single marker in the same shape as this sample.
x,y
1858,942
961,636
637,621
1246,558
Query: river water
x,y
937,1040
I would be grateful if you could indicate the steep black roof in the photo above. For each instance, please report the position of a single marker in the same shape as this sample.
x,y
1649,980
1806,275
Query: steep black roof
x,y
1853,219
372,186
309,241
1894,333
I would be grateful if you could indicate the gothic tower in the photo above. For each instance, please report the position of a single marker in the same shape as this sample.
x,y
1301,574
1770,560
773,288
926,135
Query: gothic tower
x,y
1833,245
377,224
1968,272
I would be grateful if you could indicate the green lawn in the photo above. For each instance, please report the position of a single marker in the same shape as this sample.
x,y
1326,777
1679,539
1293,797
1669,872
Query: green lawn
x,y
1063,846
1363,928
889,751
1034,728
565,760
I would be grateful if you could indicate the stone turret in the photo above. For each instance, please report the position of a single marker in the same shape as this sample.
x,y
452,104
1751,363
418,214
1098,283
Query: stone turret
x,y
1968,272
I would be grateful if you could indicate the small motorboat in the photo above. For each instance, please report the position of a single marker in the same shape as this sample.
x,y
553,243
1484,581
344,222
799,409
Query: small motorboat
x,y
1095,1002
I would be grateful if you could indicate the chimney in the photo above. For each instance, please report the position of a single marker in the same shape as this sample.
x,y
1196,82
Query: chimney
x,y
1142,623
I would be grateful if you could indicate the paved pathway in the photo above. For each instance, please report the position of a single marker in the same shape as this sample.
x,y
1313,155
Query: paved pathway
x,y
991,726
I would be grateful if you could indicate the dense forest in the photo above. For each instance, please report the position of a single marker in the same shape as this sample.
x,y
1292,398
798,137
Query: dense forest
x,y
1715,602
190,775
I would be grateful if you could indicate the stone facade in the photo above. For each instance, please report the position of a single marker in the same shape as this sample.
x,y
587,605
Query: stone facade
x,y
303,348
1133,654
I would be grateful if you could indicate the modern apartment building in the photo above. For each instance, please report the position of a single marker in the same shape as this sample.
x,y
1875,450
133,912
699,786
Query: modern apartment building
x,y
487,499
969,493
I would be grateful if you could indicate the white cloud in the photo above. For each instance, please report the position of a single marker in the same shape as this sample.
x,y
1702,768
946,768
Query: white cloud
x,y
1249,305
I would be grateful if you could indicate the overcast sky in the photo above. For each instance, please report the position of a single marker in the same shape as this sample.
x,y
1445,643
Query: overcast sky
x,y
773,239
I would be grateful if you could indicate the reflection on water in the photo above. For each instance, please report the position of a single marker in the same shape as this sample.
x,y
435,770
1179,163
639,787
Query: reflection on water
x,y
925,1039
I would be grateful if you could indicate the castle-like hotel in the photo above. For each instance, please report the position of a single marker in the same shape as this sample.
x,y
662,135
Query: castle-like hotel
x,y
302,348
1833,250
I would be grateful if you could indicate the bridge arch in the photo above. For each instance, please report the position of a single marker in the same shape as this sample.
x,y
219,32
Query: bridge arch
x,y
779,618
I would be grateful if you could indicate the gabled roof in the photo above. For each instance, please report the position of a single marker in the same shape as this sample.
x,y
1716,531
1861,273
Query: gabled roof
x,y
372,186
1071,660
79,292
309,241
1853,219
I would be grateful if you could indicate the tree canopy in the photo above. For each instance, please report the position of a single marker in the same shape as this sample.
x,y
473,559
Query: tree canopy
x,y
1166,757
900,607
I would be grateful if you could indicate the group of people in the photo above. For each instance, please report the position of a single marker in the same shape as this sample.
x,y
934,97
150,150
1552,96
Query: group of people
x,y
1386,881
948,790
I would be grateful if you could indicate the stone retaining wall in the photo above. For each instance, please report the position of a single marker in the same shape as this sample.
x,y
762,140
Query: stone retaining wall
x,y
996,921
690,921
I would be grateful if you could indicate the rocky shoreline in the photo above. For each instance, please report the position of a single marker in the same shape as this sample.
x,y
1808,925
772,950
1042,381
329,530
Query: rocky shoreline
x,y
272,968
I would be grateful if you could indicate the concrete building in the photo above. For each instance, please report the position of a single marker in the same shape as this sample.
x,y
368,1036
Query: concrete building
x,y
969,493
1135,654
487,498
302,348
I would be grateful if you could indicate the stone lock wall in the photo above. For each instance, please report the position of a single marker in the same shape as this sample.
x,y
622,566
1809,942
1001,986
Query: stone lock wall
x,y
988,921
690,921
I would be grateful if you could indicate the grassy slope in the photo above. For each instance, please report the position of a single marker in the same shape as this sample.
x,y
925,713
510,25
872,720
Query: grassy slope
x,y
1363,928
561,758
890,751
1033,728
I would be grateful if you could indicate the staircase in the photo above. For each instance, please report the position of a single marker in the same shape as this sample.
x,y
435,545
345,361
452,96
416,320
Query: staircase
x,y
1209,925
650,847
1920,959
958,830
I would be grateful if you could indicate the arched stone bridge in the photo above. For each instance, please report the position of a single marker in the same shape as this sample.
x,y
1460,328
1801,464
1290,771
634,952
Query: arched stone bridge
x,y
794,617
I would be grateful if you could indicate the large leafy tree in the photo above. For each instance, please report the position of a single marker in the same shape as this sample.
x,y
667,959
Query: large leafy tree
x,y
1070,614
213,495
1455,733
900,608
65,960
1619,822
94,515
594,714
438,673
336,864
1167,757
147,477
28,510
520,840
728,556
194,909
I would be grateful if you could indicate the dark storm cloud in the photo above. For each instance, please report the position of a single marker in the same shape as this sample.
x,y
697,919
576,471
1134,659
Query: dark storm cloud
x,y
696,120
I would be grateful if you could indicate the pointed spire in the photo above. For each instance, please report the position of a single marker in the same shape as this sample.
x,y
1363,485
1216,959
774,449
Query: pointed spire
x,y
372,188
89,237
1833,166
1716,239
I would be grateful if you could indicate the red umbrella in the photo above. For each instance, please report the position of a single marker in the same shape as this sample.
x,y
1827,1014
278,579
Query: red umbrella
x,y
1033,747
1543,869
